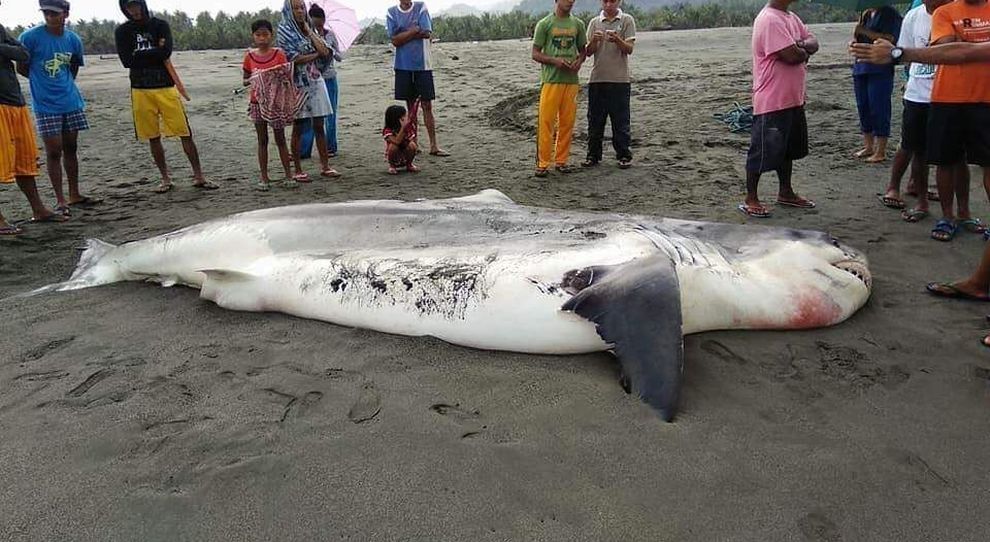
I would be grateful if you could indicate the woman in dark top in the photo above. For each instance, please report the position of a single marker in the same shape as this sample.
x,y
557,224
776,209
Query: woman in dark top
x,y
874,84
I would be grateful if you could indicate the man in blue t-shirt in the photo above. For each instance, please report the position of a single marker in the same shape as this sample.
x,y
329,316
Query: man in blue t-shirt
x,y
410,28
56,56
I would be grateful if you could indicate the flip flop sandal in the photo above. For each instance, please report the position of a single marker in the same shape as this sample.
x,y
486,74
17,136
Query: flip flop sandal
x,y
973,225
330,173
63,210
914,215
163,188
625,163
263,186
54,218
933,195
411,168
10,231
393,171
944,230
541,172
951,292
889,202
207,185
301,178
441,153
800,203
753,212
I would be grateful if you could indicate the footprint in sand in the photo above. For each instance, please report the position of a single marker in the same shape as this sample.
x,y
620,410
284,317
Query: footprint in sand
x,y
469,419
41,376
43,350
817,527
88,384
367,406
723,352
922,474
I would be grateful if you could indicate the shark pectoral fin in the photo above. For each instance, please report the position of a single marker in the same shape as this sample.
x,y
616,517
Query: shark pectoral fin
x,y
233,289
227,275
637,310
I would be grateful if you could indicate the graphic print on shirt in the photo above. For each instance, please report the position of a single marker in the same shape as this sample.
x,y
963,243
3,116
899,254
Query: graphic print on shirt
x,y
563,38
973,30
58,61
142,42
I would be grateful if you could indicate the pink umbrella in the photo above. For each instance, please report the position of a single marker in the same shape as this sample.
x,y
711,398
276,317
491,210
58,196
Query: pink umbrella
x,y
342,21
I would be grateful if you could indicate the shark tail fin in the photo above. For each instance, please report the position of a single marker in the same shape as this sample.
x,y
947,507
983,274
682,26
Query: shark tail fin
x,y
93,269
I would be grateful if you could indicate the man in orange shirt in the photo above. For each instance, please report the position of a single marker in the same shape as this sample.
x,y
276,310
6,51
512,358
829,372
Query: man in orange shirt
x,y
959,122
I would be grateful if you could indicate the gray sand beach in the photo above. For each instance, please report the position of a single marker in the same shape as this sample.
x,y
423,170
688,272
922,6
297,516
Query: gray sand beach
x,y
135,412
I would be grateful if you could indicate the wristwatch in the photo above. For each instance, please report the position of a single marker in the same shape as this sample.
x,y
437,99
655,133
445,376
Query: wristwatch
x,y
896,53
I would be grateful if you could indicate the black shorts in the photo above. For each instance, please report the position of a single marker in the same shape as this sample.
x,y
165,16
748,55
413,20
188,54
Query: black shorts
x,y
959,133
410,85
777,137
914,126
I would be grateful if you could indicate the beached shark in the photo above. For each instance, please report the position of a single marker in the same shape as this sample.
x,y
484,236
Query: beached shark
x,y
484,272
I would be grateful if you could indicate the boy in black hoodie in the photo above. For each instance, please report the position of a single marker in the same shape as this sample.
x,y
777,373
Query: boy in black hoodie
x,y
144,45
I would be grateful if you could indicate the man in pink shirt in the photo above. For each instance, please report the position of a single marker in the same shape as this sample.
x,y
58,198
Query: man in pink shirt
x,y
782,45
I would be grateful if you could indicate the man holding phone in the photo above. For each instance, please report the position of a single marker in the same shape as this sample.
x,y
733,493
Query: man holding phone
x,y
611,38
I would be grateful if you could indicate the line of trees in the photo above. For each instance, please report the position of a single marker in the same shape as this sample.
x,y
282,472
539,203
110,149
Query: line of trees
x,y
519,24
225,31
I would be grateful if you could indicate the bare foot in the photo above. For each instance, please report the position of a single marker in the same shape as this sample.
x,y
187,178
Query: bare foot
x,y
876,159
863,153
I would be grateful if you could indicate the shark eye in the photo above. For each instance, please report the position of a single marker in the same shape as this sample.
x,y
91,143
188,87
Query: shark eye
x,y
835,242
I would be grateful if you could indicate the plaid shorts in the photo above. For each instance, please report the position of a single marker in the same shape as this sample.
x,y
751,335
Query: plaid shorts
x,y
54,125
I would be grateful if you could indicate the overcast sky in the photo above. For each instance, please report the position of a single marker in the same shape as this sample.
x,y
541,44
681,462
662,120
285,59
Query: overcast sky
x,y
15,12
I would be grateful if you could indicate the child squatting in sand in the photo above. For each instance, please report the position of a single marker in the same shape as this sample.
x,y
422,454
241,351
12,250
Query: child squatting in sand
x,y
265,57
400,138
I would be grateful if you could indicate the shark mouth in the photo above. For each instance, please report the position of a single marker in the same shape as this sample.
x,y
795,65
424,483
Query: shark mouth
x,y
856,269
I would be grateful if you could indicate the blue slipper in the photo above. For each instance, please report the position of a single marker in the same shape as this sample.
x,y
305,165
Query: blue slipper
x,y
944,230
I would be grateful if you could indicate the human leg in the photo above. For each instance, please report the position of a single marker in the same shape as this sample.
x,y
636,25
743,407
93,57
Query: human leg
x,y
30,190
431,128
283,151
565,124
158,155
192,153
977,285
881,86
551,95
331,123
70,159
297,129
321,148
892,195
261,130
53,163
862,91
597,115
619,113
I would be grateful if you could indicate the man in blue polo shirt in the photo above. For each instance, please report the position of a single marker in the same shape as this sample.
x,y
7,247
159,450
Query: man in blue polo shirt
x,y
410,28
56,56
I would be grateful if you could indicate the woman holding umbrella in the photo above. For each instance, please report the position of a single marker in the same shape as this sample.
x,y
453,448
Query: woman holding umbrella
x,y
303,47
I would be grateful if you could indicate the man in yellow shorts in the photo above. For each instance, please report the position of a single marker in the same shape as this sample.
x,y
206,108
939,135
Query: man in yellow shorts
x,y
559,45
144,45
18,150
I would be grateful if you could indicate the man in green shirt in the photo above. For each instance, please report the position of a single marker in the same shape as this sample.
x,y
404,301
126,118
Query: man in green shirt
x,y
558,44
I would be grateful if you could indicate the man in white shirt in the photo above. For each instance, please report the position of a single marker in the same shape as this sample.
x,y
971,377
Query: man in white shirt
x,y
915,33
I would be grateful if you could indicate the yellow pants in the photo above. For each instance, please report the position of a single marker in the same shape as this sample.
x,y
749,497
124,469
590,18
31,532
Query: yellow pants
x,y
558,105
18,150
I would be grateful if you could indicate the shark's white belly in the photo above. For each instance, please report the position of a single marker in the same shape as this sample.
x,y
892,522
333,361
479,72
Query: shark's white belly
x,y
465,297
